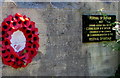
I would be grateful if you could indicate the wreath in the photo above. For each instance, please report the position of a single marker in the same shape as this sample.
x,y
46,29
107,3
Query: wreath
x,y
19,40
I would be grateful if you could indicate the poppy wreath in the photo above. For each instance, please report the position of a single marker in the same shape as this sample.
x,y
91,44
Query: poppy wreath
x,y
9,26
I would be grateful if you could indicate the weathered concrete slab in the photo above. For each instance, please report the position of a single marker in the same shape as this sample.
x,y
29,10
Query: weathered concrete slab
x,y
62,52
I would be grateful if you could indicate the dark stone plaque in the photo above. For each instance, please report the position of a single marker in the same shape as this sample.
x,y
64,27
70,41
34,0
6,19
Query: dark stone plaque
x,y
97,28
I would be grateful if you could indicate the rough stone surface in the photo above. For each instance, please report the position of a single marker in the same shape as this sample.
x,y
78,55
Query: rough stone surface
x,y
62,52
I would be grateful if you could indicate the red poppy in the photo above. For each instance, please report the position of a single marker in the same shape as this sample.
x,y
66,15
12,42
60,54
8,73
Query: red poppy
x,y
8,19
35,38
10,54
5,26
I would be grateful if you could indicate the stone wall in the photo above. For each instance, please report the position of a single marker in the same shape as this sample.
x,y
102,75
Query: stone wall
x,y
62,52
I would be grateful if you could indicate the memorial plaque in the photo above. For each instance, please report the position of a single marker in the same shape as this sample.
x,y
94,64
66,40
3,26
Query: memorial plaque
x,y
97,28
